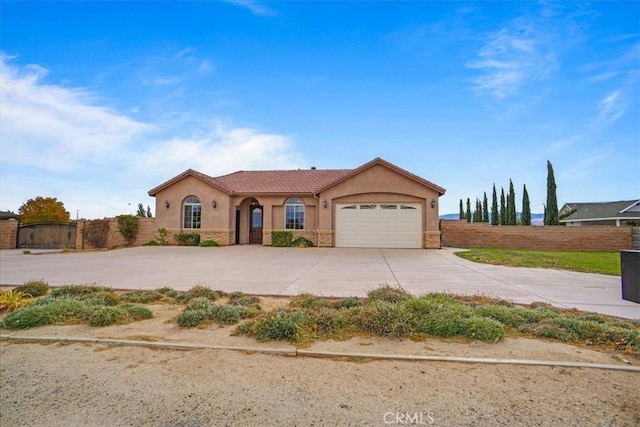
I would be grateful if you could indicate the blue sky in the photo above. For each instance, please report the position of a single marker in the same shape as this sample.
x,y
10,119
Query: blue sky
x,y
101,101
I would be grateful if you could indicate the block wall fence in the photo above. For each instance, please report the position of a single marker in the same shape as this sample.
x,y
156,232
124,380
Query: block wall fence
x,y
462,234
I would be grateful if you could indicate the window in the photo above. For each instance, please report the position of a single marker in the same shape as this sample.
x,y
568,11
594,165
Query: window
x,y
294,214
192,212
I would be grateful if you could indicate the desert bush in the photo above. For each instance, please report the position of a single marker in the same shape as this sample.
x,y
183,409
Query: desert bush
x,y
388,293
12,300
204,291
162,236
226,314
141,297
187,239
209,244
106,316
386,319
279,325
511,316
191,318
281,239
308,301
34,288
128,227
302,242
151,243
241,299
137,312
348,302
481,328
78,290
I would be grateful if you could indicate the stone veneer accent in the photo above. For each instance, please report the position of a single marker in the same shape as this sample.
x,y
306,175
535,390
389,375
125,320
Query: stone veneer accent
x,y
431,240
325,238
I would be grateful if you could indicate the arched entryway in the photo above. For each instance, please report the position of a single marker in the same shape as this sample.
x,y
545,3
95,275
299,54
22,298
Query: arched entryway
x,y
249,222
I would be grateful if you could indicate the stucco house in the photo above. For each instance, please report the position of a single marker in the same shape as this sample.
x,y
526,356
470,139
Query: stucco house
x,y
623,212
375,205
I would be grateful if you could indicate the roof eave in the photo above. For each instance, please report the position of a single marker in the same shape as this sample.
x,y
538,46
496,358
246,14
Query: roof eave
x,y
189,172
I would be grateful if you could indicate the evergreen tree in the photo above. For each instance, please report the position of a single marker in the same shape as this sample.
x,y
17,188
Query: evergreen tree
x,y
511,208
495,220
485,208
503,208
141,211
551,210
149,214
461,214
526,207
477,213
468,216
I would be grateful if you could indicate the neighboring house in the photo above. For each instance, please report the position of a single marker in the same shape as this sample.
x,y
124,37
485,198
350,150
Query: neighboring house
x,y
625,212
375,205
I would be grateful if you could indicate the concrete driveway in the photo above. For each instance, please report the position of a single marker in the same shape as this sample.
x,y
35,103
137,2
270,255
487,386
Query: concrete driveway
x,y
331,272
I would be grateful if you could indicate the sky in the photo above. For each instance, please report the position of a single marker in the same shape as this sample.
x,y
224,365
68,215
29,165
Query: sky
x,y
102,101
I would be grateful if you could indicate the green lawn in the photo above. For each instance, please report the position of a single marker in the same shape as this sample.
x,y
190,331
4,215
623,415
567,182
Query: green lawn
x,y
587,262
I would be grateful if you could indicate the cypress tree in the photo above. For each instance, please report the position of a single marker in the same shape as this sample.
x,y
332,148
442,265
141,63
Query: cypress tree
x,y
494,207
511,206
526,207
468,216
551,209
485,208
478,214
503,208
461,215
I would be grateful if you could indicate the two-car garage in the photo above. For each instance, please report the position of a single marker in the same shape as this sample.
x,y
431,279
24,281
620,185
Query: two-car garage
x,y
378,225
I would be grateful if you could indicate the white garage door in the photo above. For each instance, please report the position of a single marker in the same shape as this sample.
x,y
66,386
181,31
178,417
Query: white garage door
x,y
377,225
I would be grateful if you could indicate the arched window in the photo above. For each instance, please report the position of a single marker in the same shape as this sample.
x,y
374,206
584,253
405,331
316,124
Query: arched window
x,y
294,214
192,212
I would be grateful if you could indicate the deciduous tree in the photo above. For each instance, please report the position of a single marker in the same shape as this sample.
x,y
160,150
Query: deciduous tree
x,y
43,209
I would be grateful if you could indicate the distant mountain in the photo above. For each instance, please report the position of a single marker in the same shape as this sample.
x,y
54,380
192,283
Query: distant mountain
x,y
536,218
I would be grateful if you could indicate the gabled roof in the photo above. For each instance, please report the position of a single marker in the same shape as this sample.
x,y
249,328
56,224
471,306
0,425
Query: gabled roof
x,y
379,161
624,209
310,181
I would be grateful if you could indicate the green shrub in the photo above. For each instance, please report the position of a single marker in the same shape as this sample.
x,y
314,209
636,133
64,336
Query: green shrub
x,y
481,328
162,236
281,239
199,303
128,227
141,297
226,314
204,291
239,298
106,316
151,243
348,302
100,298
26,317
302,242
78,290
280,325
35,288
209,244
137,312
187,239
386,319
308,301
26,252
191,318
511,316
388,293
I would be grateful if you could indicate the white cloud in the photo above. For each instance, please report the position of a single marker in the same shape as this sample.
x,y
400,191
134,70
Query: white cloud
x,y
255,7
511,58
62,142
611,108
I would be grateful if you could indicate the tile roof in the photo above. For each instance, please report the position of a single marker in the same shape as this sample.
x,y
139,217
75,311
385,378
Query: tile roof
x,y
309,181
600,210
280,181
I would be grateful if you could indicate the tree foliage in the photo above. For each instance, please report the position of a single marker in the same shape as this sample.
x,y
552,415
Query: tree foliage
x,y
43,209
495,215
551,207
503,208
485,208
462,216
511,206
468,215
526,207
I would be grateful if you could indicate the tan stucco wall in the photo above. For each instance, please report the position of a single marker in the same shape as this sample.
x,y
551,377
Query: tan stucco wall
x,y
389,186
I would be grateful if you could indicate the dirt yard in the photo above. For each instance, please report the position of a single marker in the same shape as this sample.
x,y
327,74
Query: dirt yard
x,y
97,385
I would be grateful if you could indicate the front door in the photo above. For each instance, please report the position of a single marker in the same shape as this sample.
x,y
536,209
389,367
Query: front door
x,y
255,224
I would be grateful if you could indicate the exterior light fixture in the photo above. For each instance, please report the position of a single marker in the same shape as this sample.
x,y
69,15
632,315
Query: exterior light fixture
x,y
433,203
324,203
214,204
166,204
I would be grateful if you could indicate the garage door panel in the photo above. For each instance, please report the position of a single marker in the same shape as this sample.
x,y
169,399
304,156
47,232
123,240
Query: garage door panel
x,y
379,225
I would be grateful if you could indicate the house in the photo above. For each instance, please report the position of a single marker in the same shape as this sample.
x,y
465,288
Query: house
x,y
624,212
375,205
